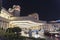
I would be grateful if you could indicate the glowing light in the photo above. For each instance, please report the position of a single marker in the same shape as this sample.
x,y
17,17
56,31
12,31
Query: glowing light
x,y
26,24
5,14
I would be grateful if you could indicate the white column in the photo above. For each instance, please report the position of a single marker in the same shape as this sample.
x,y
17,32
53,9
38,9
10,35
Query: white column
x,y
7,24
1,24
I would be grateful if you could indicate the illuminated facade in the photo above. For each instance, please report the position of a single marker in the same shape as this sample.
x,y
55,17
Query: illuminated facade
x,y
11,18
4,16
25,22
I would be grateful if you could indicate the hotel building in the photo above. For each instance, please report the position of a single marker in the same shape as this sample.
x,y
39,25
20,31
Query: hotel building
x,y
12,18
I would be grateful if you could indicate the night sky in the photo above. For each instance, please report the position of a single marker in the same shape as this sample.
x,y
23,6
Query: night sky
x,y
47,9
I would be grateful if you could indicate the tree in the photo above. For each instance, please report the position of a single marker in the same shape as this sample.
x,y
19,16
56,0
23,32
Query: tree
x,y
9,30
17,30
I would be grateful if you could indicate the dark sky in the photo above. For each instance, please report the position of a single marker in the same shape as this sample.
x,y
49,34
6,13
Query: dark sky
x,y
47,9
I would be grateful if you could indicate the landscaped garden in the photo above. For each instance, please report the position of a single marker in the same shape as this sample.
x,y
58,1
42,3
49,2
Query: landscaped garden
x,y
14,34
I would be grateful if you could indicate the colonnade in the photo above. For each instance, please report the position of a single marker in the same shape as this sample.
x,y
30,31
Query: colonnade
x,y
4,24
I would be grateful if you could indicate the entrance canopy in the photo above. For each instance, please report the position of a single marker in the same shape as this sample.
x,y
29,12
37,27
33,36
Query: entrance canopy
x,y
26,23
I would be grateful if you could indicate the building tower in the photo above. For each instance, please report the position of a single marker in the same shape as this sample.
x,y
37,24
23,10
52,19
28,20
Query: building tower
x,y
15,10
